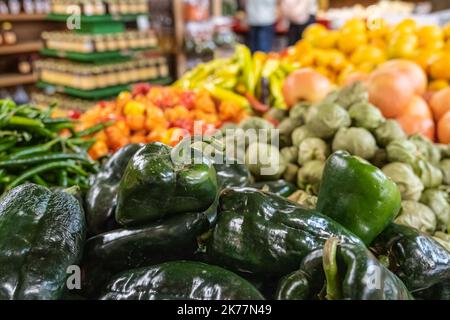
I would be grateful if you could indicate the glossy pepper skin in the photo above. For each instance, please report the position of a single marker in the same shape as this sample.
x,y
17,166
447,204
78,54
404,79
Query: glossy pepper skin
x,y
154,187
101,199
122,249
348,271
232,175
294,286
185,280
42,234
262,233
416,258
357,195
440,291
280,187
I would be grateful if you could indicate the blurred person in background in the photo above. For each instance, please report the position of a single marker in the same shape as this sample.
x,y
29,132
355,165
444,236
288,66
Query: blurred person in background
x,y
300,14
261,18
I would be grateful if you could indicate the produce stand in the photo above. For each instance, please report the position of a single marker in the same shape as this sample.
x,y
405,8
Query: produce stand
x,y
317,172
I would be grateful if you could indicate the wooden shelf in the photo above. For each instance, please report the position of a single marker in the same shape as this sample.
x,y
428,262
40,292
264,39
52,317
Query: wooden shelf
x,y
10,80
23,17
31,46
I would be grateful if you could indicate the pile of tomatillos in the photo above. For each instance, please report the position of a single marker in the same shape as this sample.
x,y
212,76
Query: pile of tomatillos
x,y
164,223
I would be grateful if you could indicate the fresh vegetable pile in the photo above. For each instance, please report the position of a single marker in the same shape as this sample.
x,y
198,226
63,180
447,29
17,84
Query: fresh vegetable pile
x,y
152,113
36,147
170,229
251,81
345,120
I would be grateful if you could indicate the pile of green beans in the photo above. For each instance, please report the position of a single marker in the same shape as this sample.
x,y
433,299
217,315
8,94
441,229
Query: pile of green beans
x,y
33,150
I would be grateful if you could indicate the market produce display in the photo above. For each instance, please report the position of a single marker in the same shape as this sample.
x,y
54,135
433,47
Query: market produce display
x,y
309,174
154,113
359,46
35,147
251,81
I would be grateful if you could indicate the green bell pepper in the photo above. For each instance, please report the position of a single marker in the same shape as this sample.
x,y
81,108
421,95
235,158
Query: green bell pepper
x,y
262,233
358,195
101,199
416,258
156,184
185,280
42,234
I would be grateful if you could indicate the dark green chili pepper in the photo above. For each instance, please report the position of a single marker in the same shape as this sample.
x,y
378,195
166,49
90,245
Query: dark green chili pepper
x,y
38,180
44,168
61,126
56,120
24,122
94,129
8,143
62,178
44,158
26,151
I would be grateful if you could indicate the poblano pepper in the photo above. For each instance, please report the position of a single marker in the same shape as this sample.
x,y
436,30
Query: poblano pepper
x,y
279,187
265,234
101,199
157,183
42,234
417,259
180,280
342,271
357,195
122,249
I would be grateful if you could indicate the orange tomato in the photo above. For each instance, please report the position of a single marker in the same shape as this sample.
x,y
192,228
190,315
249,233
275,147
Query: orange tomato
x,y
204,102
136,122
413,124
98,150
138,138
417,107
444,128
177,113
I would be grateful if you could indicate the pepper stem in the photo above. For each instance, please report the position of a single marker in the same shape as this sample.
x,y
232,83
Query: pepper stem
x,y
333,287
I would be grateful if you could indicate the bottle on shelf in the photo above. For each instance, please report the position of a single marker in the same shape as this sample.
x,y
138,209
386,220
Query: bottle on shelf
x,y
3,7
21,96
14,6
24,65
30,6
9,36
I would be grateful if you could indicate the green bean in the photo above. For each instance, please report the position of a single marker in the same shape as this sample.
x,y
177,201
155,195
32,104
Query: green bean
x,y
8,143
24,122
56,120
26,151
62,178
38,180
94,129
61,126
43,158
44,168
